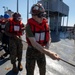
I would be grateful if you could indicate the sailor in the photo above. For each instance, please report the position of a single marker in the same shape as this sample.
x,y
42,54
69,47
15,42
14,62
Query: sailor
x,y
5,38
38,39
14,29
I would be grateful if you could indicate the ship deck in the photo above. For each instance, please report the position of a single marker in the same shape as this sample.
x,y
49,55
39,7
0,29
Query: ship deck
x,y
64,47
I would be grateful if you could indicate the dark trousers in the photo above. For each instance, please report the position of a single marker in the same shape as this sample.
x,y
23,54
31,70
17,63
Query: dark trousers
x,y
33,56
5,43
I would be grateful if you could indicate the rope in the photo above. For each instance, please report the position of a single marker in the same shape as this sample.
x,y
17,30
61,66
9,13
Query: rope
x,y
67,62
60,59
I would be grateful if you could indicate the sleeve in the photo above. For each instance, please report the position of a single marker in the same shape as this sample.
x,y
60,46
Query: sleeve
x,y
0,27
22,24
7,26
28,31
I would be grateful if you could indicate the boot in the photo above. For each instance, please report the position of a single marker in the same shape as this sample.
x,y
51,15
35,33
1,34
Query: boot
x,y
20,67
15,70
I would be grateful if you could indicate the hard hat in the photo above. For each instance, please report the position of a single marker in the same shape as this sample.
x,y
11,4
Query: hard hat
x,y
37,8
6,16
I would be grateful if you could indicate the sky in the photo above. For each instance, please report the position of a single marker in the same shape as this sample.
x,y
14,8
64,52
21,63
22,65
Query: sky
x,y
11,4
71,4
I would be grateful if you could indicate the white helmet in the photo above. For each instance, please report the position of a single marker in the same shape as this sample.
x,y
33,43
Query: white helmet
x,y
37,8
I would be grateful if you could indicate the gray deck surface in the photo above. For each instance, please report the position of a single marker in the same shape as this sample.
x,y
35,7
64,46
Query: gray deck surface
x,y
65,48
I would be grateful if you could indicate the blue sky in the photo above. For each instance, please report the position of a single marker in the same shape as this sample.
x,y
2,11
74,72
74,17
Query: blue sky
x,y
71,4
11,4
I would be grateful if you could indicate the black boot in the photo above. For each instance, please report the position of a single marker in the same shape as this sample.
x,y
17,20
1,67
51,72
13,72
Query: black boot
x,y
15,70
20,67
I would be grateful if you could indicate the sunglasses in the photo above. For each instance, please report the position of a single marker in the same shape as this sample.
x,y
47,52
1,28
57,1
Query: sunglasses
x,y
19,18
40,15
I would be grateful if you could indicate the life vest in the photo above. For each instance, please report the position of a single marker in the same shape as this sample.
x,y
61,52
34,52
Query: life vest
x,y
15,27
40,31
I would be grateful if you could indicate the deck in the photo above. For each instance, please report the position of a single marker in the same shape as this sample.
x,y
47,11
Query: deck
x,y
64,47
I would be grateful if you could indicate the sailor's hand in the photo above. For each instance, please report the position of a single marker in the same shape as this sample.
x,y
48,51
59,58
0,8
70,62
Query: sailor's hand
x,y
54,56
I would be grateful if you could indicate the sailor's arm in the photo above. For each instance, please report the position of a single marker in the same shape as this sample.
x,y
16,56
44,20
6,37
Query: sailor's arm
x,y
43,50
38,46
